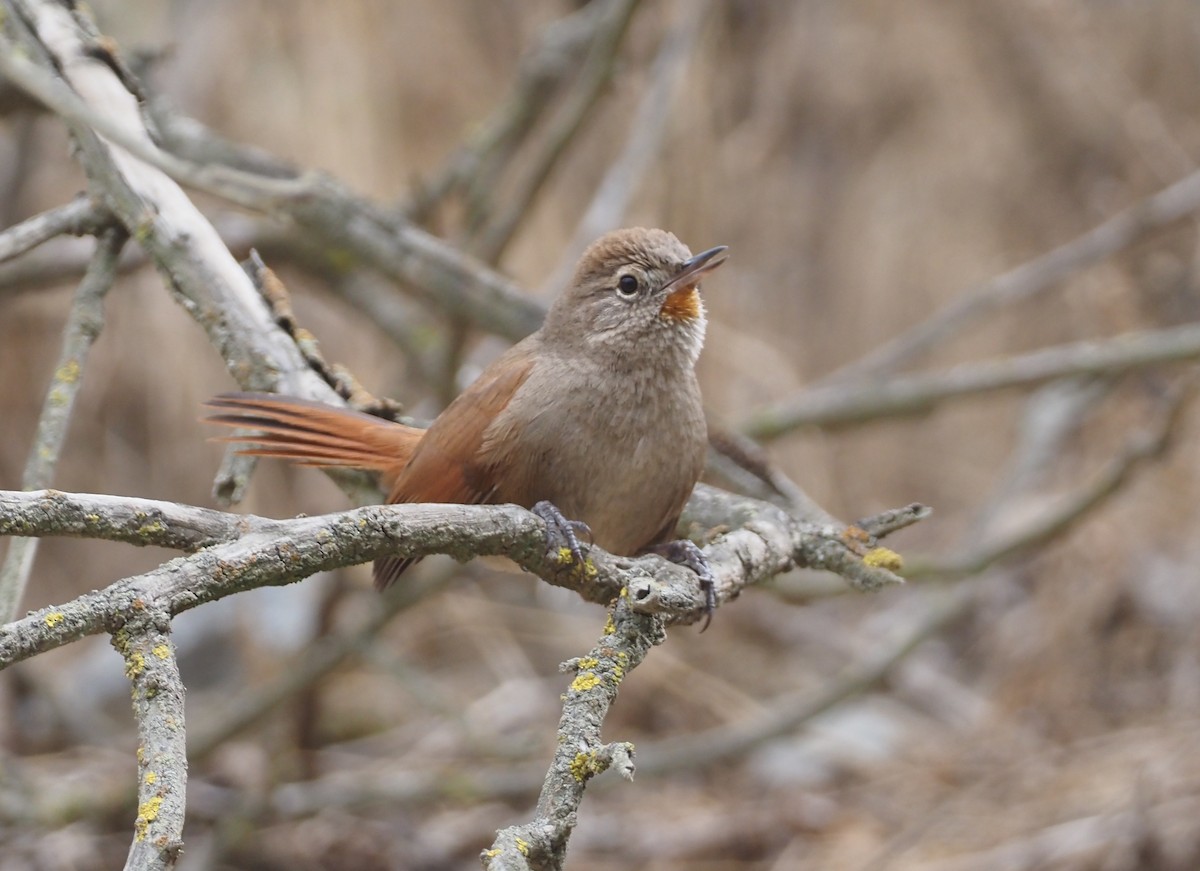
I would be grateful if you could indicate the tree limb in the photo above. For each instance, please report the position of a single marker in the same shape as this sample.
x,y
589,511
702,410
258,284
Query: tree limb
x,y
145,644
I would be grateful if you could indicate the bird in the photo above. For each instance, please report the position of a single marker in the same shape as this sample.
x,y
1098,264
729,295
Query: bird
x,y
594,421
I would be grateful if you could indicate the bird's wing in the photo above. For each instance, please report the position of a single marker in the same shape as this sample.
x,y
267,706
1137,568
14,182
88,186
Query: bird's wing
x,y
451,464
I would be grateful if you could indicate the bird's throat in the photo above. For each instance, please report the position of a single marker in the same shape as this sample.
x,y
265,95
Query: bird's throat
x,y
683,305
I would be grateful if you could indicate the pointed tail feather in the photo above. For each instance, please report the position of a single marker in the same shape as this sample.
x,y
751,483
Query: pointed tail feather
x,y
314,434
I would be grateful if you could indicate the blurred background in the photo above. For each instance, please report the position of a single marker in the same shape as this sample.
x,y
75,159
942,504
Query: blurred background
x,y
1029,700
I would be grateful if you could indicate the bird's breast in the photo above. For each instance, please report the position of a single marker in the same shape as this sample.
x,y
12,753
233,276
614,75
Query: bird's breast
x,y
621,453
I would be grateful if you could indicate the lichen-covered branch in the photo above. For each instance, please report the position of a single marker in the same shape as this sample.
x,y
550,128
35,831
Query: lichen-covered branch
x,y
581,753
144,642
261,552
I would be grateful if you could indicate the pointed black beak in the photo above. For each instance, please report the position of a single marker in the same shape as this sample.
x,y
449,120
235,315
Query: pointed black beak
x,y
692,270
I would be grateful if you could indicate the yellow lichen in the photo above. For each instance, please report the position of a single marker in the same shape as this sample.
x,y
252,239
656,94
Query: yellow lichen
x,y
151,777
147,813
162,651
153,528
135,664
610,626
586,765
68,373
564,555
883,558
54,618
491,854
581,766
586,662
522,846
586,681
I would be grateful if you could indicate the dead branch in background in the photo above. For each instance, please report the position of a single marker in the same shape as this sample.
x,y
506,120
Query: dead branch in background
x,y
84,322
841,405
1168,206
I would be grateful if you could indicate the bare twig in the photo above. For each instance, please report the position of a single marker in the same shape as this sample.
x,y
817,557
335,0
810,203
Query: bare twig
x,y
249,707
77,218
646,133
83,325
1142,448
1029,279
553,59
187,250
784,715
597,69
845,404
745,454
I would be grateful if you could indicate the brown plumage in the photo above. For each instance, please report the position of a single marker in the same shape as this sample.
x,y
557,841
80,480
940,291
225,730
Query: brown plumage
x,y
598,412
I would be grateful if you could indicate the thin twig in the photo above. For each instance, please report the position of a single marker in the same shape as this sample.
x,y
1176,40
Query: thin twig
x,y
785,715
647,131
846,404
1026,281
554,58
77,218
250,706
185,247
84,323
593,78
449,279
1141,448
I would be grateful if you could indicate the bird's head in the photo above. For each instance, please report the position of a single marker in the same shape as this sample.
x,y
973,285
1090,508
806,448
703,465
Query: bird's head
x,y
636,292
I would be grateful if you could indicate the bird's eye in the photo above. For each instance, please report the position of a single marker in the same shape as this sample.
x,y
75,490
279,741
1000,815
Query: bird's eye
x,y
627,287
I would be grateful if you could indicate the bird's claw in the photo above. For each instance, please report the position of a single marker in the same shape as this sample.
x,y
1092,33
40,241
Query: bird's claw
x,y
560,529
688,553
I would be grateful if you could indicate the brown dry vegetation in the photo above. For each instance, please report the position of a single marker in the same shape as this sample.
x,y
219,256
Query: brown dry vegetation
x,y
866,163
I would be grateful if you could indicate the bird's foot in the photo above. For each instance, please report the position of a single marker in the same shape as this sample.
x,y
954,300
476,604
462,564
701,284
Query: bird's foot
x,y
688,553
561,532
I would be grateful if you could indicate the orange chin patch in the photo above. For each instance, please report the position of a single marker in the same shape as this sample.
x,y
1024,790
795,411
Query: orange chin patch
x,y
682,304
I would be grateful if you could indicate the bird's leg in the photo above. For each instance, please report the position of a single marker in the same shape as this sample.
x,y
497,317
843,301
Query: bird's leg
x,y
688,553
560,529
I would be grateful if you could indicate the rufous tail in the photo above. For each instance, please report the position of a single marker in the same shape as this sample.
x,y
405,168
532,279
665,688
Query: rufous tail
x,y
313,434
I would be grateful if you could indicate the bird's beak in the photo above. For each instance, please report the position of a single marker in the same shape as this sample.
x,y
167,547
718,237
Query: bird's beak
x,y
682,301
692,270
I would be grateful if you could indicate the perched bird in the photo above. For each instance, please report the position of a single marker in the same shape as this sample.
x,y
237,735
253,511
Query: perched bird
x,y
594,421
